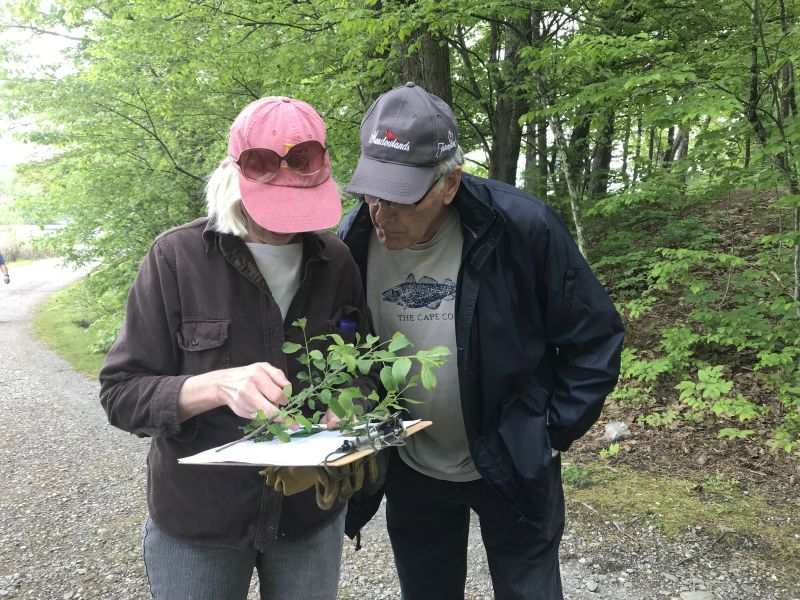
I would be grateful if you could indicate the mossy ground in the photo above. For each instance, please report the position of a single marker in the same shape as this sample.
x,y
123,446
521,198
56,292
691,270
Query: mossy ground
x,y
755,526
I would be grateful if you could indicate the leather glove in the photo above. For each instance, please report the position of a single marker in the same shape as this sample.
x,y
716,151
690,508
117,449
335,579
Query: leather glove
x,y
290,480
332,484
340,483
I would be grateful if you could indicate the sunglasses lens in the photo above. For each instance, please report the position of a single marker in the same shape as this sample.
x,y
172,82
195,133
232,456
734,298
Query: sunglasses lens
x,y
259,164
306,158
262,164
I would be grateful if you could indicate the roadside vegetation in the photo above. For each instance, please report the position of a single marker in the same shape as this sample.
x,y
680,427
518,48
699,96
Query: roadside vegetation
x,y
663,133
62,322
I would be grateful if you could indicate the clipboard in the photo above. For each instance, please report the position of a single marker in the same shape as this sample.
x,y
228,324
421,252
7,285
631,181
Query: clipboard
x,y
357,454
324,448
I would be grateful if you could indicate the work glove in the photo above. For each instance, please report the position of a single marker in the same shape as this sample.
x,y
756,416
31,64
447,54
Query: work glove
x,y
290,480
340,483
332,484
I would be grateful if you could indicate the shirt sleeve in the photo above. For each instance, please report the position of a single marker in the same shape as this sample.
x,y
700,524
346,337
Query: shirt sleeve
x,y
139,380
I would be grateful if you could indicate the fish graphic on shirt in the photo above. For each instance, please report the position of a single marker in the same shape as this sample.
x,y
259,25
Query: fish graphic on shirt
x,y
425,293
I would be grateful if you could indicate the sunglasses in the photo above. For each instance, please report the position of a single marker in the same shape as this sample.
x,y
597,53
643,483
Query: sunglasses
x,y
262,164
398,206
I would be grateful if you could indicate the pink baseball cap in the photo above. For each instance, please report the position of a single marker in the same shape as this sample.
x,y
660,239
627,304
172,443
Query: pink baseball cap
x,y
290,202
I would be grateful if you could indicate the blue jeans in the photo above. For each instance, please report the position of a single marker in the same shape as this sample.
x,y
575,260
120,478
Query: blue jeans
x,y
428,523
306,568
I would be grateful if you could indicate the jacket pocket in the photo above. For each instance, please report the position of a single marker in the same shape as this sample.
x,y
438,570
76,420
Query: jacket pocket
x,y
567,297
204,346
523,430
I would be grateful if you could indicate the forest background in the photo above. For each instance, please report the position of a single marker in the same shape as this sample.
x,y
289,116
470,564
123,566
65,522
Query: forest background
x,y
666,133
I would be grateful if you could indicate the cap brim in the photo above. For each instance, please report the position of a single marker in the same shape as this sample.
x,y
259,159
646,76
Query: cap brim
x,y
284,209
389,181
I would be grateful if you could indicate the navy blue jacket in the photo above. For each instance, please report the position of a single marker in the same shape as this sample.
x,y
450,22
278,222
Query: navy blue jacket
x,y
538,339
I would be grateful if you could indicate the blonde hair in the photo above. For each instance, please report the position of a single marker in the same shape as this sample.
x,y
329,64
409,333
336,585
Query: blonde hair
x,y
224,201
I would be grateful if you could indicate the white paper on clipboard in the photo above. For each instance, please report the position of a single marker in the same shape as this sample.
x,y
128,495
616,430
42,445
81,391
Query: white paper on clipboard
x,y
307,451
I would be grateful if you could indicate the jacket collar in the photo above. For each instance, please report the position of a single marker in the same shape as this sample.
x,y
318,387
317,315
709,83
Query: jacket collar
x,y
314,246
479,220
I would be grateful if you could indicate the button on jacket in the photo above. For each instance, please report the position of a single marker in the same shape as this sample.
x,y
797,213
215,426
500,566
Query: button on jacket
x,y
199,303
538,339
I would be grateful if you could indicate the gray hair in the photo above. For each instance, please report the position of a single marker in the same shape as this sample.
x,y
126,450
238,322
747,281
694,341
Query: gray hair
x,y
224,200
448,165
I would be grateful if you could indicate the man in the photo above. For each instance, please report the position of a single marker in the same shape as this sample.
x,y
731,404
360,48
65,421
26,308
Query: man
x,y
4,270
492,272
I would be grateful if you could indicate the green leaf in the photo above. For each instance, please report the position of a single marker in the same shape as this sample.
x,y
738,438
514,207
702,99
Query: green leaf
x,y
428,378
399,341
388,380
336,408
290,347
400,369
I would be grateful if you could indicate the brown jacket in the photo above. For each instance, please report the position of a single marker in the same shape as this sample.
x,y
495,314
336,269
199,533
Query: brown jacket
x,y
199,303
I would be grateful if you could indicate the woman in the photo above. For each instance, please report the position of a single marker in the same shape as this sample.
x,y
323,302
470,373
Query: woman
x,y
200,353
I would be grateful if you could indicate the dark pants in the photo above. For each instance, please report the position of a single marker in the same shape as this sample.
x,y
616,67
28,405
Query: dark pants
x,y
428,522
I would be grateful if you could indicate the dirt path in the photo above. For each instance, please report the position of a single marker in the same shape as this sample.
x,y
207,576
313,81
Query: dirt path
x,y
72,499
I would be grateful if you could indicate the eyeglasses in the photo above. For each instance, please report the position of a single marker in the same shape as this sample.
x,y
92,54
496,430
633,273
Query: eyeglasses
x,y
262,164
398,206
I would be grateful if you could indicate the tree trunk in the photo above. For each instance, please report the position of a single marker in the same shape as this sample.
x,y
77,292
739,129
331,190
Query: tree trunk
x,y
529,175
747,141
573,186
428,65
536,159
506,129
601,157
638,152
626,139
506,140
790,110
669,151
797,260
682,144
541,142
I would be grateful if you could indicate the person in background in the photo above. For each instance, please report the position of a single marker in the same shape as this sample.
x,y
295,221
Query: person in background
x,y
493,273
200,353
4,269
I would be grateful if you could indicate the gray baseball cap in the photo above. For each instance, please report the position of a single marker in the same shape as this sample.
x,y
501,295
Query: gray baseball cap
x,y
404,135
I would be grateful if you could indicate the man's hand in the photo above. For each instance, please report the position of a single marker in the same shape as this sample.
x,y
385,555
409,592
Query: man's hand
x,y
7,278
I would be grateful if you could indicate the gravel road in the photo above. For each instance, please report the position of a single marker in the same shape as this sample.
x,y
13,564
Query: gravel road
x,y
72,500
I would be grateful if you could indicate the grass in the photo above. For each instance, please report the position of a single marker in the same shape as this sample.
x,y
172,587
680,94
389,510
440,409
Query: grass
x,y
743,522
62,321
11,264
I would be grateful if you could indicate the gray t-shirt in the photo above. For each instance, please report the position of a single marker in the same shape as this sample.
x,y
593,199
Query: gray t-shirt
x,y
280,266
414,291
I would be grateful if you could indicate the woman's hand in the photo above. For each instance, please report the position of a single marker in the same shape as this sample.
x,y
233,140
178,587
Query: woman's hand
x,y
330,419
246,390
